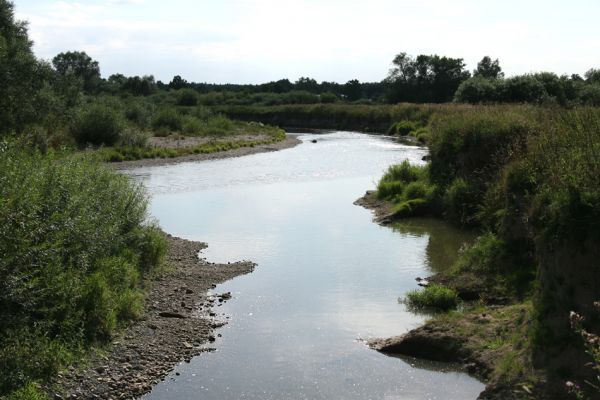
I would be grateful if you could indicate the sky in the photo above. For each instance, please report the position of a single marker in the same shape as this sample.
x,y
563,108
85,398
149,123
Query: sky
x,y
256,41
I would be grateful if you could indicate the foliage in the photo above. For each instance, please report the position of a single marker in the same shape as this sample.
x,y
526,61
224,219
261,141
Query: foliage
x,y
488,69
168,118
431,79
187,97
74,244
432,297
98,124
79,65
22,77
402,128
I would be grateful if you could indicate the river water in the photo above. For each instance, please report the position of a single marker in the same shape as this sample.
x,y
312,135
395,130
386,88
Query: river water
x,y
327,276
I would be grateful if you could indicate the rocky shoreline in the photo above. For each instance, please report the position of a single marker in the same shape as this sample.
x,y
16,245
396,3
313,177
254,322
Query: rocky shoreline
x,y
179,322
289,142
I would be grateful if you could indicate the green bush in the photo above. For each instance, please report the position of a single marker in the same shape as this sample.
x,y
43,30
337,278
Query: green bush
x,y
167,118
187,97
192,126
404,172
74,242
99,124
328,97
133,138
402,128
461,203
432,297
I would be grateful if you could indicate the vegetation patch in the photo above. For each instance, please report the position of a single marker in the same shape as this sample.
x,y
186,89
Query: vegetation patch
x,y
75,242
433,296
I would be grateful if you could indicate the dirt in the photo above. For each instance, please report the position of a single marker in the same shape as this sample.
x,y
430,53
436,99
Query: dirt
x,y
288,142
180,321
382,210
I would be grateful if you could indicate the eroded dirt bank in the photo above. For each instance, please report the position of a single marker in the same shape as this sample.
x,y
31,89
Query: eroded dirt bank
x,y
180,320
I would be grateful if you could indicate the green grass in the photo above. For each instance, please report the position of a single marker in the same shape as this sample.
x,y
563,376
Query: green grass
x,y
432,297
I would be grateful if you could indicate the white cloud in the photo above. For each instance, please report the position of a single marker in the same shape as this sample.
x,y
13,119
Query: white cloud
x,y
258,40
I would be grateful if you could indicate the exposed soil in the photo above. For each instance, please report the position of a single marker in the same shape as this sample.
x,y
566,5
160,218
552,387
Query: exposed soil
x,y
288,142
180,320
382,210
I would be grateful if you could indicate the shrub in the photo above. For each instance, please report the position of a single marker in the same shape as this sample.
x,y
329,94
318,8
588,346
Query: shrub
x,y
167,118
390,190
219,125
328,97
461,203
192,126
74,242
139,114
432,297
478,90
187,97
133,138
97,125
402,128
404,172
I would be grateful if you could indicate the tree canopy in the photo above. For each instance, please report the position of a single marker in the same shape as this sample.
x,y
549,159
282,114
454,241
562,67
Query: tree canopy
x,y
79,65
424,79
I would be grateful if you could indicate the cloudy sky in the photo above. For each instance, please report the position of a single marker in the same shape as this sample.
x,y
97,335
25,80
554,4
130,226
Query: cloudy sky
x,y
253,41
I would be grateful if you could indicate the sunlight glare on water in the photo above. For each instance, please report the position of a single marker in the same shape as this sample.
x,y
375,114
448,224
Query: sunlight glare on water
x,y
327,276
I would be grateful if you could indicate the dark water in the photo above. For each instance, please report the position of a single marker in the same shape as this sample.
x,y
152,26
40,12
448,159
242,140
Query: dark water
x,y
327,276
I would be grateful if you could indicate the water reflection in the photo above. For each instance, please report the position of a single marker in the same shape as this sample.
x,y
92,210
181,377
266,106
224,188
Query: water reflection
x,y
444,241
326,274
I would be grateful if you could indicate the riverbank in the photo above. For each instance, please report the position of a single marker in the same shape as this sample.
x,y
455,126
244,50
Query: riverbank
x,y
289,142
178,323
489,339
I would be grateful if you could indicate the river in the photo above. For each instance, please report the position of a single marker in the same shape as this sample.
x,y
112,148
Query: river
x,y
327,277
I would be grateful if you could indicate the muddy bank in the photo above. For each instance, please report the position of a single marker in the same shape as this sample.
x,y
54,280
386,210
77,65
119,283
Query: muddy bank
x,y
179,322
288,142
382,210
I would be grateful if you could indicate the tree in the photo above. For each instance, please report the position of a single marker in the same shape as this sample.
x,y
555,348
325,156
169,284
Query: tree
x,y
353,90
78,64
426,78
178,83
308,84
593,76
486,68
139,86
21,75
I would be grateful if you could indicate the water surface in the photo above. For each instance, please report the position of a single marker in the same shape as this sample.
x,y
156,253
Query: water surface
x,y
327,276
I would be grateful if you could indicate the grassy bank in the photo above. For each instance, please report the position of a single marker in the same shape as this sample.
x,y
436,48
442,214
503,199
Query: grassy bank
x,y
250,138
75,245
528,179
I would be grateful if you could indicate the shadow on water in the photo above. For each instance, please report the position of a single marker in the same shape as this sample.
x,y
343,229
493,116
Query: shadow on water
x,y
444,240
